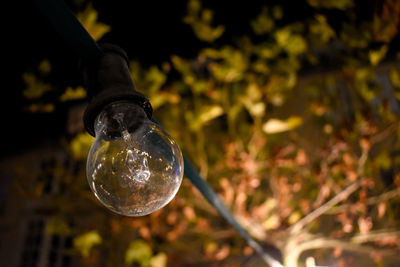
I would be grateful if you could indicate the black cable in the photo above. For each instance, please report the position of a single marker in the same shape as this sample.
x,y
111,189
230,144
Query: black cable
x,y
69,28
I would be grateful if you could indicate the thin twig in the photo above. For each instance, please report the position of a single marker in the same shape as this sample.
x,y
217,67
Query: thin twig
x,y
379,137
370,201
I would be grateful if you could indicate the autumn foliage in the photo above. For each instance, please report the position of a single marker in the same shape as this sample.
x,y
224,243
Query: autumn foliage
x,y
295,125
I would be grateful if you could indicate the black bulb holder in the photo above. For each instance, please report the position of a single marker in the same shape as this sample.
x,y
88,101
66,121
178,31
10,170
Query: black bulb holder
x,y
108,80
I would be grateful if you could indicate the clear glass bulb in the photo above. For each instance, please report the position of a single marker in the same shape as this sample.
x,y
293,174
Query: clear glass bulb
x,y
134,167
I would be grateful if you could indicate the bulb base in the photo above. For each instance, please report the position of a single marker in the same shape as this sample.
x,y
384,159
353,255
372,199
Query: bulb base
x,y
108,80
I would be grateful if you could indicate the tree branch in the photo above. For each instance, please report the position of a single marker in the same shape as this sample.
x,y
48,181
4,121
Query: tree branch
x,y
373,236
295,253
296,228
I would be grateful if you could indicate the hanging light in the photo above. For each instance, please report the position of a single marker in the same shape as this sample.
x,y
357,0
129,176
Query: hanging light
x,y
134,167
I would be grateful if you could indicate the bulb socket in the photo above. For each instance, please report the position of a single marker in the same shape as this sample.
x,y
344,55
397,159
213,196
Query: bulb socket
x,y
108,80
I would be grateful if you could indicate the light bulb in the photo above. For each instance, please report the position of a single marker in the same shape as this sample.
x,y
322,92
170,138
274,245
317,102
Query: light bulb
x,y
134,167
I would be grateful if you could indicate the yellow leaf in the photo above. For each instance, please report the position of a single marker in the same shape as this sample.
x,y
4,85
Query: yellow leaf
x,y
157,100
277,12
207,15
194,6
138,251
200,21
272,222
44,67
282,36
73,94
273,126
210,247
81,145
290,42
210,53
210,113
268,50
35,88
384,160
207,114
263,22
395,78
294,217
337,4
375,56
88,19
180,64
155,78
256,108
85,242
159,260
41,108
58,226
321,29
253,92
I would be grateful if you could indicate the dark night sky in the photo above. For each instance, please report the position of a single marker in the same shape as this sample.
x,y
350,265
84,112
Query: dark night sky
x,y
150,31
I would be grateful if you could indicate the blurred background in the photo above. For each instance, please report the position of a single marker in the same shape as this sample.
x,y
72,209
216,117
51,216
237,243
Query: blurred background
x,y
289,109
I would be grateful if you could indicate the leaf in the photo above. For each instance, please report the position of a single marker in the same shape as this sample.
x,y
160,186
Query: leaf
x,y
210,113
252,101
277,12
41,108
58,226
157,100
384,160
35,87
73,94
263,23
211,53
321,30
85,242
375,56
88,19
294,217
395,78
180,64
159,260
200,20
194,6
155,78
80,146
290,42
232,65
44,67
273,126
364,83
206,33
139,252
331,4
207,114
272,222
267,51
